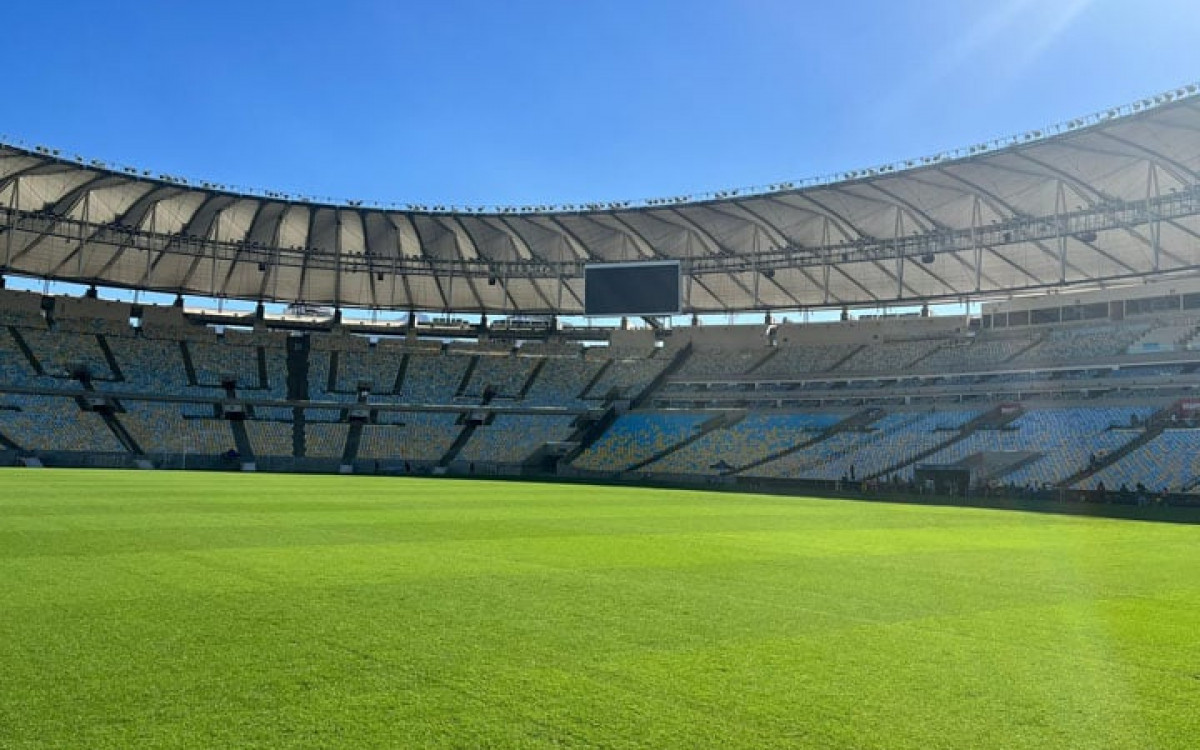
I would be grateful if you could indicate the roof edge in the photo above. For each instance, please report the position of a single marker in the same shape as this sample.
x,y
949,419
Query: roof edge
x,y
1038,135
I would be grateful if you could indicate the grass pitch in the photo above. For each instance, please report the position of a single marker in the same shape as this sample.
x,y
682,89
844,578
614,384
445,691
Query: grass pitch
x,y
214,610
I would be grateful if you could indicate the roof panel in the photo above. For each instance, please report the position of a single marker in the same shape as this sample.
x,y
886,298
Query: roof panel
x,y
323,229
233,223
352,238
39,190
293,230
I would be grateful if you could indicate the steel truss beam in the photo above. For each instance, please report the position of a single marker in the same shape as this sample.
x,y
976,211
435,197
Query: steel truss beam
x,y
1100,216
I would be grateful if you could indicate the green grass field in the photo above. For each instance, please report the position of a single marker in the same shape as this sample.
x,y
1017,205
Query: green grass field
x,y
221,610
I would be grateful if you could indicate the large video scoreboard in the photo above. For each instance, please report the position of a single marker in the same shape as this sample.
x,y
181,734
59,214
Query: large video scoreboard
x,y
650,288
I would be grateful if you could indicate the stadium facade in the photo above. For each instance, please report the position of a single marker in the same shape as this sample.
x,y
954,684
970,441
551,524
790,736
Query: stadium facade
x,y
1081,240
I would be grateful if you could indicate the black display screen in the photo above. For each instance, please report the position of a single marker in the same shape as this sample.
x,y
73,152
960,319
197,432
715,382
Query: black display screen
x,y
631,288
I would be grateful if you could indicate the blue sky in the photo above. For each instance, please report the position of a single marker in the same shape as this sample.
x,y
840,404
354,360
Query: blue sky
x,y
534,102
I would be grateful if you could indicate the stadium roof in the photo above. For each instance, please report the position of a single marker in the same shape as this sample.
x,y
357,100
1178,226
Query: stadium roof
x,y
1109,197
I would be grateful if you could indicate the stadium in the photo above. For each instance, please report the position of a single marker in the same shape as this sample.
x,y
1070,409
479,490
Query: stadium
x,y
287,472
1073,251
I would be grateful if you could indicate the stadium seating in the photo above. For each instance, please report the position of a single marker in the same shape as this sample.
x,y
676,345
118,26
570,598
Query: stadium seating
x,y
215,361
15,369
378,366
561,381
1074,343
270,438
1066,438
506,375
730,408
753,438
718,363
795,361
319,364
626,377
432,378
46,423
636,437
200,410
512,438
61,352
148,366
981,353
277,413
886,442
1173,334
323,415
888,356
161,429
411,436
324,439
1171,461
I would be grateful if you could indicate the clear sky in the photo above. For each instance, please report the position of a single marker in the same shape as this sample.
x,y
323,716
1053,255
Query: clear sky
x,y
540,101
552,101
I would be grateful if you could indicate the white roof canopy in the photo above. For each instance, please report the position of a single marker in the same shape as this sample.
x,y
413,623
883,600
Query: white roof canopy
x,y
1110,197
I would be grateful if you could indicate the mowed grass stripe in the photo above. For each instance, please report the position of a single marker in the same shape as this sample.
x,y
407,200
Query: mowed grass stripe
x,y
196,610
